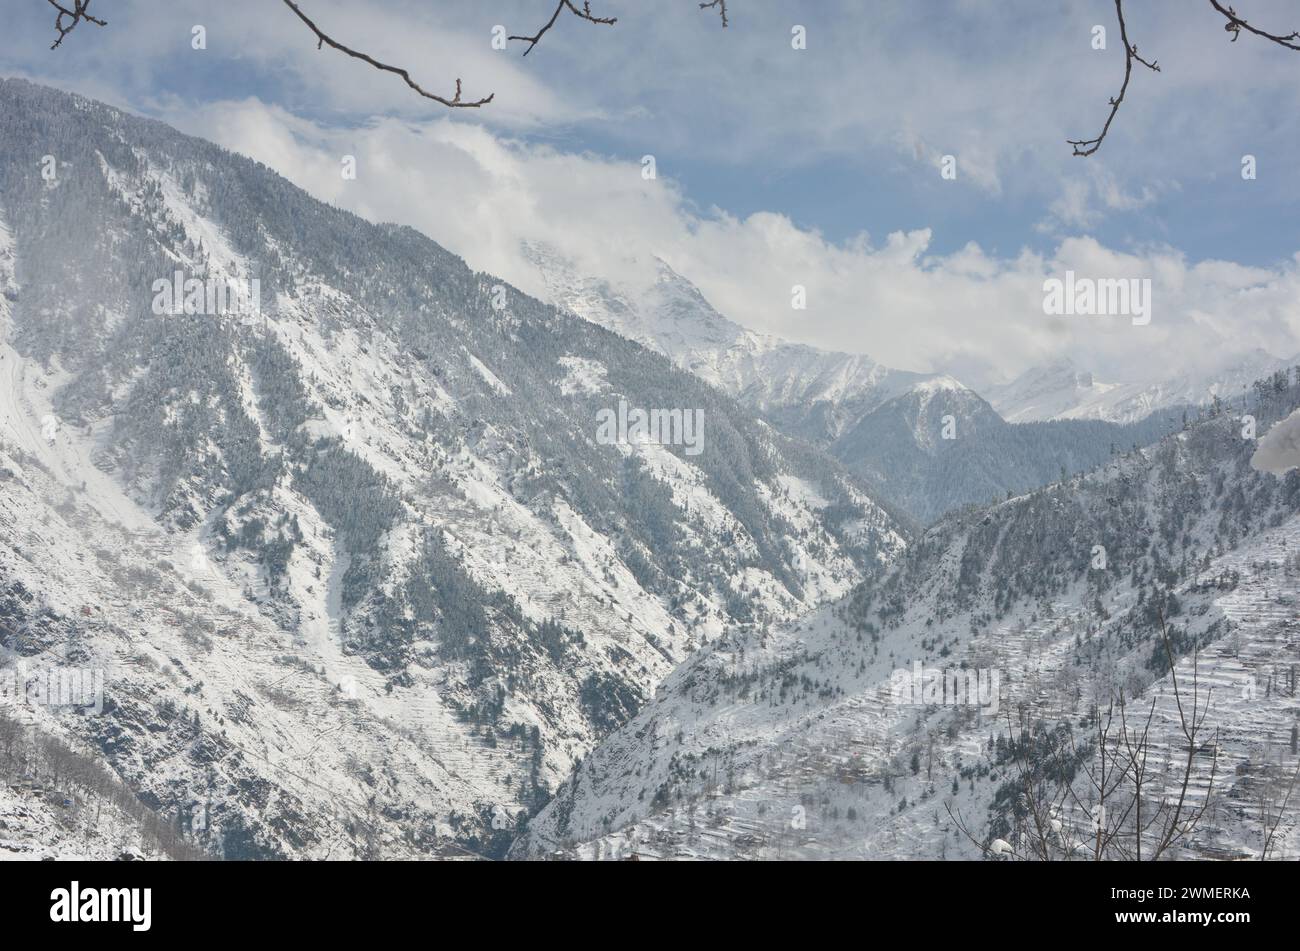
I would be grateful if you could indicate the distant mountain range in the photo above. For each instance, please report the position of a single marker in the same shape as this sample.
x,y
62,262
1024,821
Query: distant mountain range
x,y
887,425
939,447
815,394
1064,391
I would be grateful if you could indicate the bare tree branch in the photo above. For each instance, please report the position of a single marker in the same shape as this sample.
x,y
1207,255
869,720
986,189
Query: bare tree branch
x,y
75,16
322,38
1084,147
586,14
1236,24
721,6
78,13
1286,801
1137,813
583,14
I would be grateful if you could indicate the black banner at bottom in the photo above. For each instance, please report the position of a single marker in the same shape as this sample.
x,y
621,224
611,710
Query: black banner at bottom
x,y
343,900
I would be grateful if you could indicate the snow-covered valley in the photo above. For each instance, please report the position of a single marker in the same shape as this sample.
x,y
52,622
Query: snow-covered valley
x,y
792,741
359,574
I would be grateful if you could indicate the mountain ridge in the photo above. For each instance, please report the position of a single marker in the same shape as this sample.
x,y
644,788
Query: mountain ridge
x,y
792,741
371,526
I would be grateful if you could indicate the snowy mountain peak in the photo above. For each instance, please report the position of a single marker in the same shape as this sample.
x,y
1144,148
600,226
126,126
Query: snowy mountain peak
x,y
1061,390
940,384
814,394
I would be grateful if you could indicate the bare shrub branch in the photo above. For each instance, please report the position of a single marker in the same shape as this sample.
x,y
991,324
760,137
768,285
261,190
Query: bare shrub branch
x,y
1137,813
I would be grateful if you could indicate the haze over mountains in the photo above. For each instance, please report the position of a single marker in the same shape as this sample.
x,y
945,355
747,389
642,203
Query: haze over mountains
x,y
814,393
1063,391
887,425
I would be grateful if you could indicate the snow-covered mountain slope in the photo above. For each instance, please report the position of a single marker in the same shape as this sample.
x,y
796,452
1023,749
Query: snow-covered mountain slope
x,y
363,568
939,447
885,425
794,740
35,825
58,801
1064,391
811,393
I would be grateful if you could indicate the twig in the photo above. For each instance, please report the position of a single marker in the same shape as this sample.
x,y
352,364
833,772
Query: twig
x,y
721,6
586,14
1084,147
76,15
1268,840
583,14
455,102
1236,24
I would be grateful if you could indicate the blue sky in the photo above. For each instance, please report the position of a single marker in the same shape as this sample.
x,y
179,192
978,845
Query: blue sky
x,y
821,163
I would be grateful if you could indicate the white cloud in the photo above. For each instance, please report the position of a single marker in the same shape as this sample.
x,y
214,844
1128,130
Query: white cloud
x,y
889,96
481,195
1086,201
896,84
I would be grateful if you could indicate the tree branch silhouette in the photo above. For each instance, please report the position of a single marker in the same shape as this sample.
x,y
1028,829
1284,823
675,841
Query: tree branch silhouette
x,y
721,6
322,38
70,13
583,14
1236,24
78,12
1085,147
75,15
